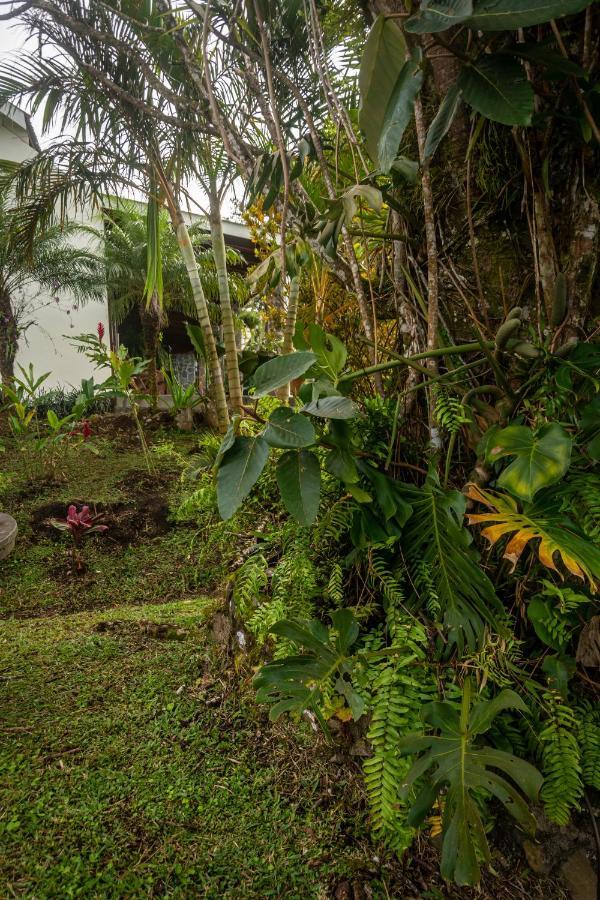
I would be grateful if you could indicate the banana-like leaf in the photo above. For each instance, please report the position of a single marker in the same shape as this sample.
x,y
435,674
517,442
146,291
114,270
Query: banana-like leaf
x,y
296,683
542,457
541,522
438,15
399,110
453,761
497,87
239,471
383,58
506,15
444,117
287,429
299,480
281,370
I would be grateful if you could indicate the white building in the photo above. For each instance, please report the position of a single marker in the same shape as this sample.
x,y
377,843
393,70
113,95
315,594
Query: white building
x,y
45,342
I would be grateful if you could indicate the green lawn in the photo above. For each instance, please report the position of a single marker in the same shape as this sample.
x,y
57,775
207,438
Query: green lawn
x,y
130,771
133,766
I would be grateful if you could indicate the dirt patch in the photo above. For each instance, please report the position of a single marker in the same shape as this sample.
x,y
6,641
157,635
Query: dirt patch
x,y
119,424
129,522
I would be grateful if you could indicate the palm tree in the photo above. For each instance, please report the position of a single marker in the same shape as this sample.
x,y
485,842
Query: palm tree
x,y
124,132
51,264
125,240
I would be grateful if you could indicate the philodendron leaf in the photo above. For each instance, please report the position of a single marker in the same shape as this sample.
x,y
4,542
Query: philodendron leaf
x,y
444,117
438,15
239,471
331,408
288,429
558,538
542,457
506,15
321,666
399,111
281,370
497,87
454,763
299,480
382,59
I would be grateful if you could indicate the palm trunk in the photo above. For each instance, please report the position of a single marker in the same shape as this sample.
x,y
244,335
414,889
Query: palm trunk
x,y
187,251
289,328
231,357
151,325
9,339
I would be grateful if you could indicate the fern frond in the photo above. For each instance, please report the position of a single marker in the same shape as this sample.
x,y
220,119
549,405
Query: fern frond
x,y
333,525
560,761
588,734
250,582
398,691
335,585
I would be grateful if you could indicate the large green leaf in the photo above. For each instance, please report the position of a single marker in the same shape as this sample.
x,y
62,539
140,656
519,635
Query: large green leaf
x,y
497,87
239,470
331,352
542,457
296,683
444,117
299,480
288,429
438,15
399,110
331,408
281,370
455,765
501,15
382,59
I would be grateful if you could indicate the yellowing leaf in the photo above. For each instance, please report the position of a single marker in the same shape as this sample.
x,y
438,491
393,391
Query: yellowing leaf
x,y
558,541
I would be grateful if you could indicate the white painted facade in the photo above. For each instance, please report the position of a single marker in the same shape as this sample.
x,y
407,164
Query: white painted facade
x,y
45,343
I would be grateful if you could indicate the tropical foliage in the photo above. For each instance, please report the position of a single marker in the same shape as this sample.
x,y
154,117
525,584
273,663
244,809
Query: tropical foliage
x,y
422,184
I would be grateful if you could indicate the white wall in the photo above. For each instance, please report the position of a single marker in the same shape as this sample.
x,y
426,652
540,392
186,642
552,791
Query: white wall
x,y
43,343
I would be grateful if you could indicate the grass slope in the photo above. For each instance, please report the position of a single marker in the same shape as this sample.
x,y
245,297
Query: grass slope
x,y
128,773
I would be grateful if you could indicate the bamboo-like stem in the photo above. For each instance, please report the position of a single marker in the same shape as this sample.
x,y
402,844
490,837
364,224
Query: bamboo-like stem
x,y
191,264
435,353
289,328
220,257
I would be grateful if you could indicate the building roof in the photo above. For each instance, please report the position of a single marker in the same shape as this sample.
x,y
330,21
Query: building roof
x,y
19,121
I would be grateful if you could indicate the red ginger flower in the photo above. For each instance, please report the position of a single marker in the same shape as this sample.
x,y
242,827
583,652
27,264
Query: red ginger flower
x,y
100,331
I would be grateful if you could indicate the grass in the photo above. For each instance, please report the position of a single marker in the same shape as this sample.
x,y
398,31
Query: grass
x,y
128,768
129,771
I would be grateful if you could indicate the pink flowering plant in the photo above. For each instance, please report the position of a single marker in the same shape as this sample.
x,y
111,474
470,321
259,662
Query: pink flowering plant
x,y
79,524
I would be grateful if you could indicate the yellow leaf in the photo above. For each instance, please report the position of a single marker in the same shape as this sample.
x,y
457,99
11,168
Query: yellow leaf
x,y
507,519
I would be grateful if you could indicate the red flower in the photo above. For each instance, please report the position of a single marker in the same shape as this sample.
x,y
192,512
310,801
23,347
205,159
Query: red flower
x,y
86,430
100,331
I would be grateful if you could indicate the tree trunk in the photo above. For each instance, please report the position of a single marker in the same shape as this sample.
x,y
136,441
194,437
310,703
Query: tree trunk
x,y
289,328
187,251
151,320
219,253
9,339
